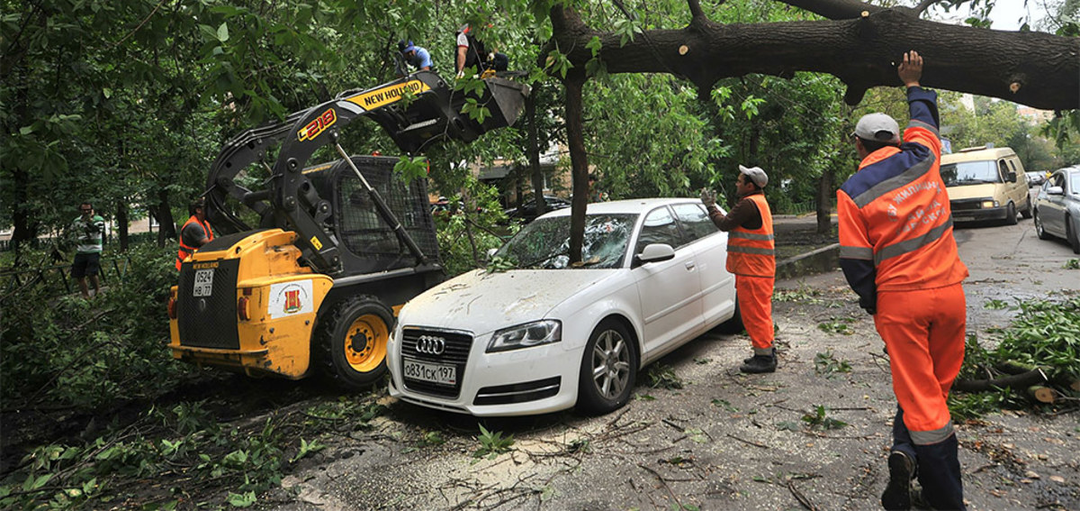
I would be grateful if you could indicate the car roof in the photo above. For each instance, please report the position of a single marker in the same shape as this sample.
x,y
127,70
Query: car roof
x,y
977,154
627,206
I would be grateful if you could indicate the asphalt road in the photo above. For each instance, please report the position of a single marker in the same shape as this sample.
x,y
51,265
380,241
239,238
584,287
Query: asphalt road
x,y
720,439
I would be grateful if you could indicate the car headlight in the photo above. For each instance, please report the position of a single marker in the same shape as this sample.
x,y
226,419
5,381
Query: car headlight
x,y
525,336
987,204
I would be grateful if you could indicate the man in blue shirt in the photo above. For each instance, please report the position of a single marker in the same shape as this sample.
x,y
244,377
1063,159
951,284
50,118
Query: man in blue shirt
x,y
415,56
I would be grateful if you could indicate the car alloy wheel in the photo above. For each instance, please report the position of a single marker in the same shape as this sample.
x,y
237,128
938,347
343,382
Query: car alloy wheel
x,y
1039,229
608,369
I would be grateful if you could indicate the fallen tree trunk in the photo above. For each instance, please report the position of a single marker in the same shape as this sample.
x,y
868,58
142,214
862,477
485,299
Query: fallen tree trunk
x,y
1016,381
1042,394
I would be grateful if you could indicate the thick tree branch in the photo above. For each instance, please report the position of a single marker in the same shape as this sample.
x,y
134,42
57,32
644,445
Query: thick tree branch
x,y
1036,69
835,9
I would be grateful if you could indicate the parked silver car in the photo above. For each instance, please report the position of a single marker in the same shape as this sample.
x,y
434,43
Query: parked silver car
x,y
1057,208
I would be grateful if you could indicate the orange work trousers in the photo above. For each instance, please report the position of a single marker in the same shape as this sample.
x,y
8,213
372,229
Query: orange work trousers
x,y
755,304
924,332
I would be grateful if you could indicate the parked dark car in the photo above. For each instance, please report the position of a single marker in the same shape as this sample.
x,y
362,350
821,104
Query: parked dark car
x,y
1057,208
527,211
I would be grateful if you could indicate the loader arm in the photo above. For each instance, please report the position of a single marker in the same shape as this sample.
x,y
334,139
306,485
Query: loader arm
x,y
415,111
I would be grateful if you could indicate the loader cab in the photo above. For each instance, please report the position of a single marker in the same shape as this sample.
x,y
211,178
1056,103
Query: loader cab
x,y
368,240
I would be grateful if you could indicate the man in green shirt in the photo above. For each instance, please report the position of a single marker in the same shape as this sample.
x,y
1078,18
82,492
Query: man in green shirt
x,y
88,229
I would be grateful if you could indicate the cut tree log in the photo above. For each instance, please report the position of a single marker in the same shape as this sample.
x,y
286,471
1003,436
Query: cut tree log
x,y
1042,394
1016,381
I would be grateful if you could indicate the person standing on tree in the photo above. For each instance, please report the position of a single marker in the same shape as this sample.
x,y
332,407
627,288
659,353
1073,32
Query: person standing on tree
x,y
898,253
88,229
751,258
471,53
195,232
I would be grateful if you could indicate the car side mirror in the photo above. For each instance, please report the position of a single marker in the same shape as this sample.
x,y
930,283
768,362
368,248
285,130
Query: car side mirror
x,y
1011,176
1055,190
654,252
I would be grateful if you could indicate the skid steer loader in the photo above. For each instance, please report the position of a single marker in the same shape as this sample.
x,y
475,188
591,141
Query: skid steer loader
x,y
338,247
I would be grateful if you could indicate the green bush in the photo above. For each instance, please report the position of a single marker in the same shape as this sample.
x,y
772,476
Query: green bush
x,y
67,351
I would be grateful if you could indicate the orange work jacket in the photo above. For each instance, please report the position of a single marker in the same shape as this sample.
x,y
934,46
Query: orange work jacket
x,y
186,250
894,213
752,252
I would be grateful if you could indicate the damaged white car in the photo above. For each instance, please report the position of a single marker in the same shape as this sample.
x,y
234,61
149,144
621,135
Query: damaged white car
x,y
548,335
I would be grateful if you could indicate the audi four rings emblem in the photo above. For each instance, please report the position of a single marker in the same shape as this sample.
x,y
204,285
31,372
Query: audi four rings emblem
x,y
430,345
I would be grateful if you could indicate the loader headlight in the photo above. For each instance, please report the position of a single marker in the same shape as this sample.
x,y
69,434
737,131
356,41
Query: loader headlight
x,y
524,336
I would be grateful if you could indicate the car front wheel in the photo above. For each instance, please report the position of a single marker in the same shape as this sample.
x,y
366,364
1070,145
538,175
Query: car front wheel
x,y
1039,229
608,369
1010,214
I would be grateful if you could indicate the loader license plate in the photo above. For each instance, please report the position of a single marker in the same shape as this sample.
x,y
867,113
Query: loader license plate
x,y
434,373
204,282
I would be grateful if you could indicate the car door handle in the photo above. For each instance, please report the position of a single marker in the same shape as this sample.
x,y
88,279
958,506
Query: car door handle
x,y
689,266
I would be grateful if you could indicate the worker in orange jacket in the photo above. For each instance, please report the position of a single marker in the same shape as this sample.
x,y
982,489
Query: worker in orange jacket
x,y
195,232
898,253
751,258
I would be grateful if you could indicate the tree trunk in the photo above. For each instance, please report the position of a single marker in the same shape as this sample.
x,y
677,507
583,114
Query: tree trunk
x,y
166,225
579,163
1033,68
24,228
122,224
534,154
824,201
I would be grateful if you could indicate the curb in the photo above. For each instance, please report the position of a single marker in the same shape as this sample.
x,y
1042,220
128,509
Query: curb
x,y
822,260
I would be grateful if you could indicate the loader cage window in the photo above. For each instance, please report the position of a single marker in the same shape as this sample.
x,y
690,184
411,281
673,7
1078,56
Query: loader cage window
x,y
367,235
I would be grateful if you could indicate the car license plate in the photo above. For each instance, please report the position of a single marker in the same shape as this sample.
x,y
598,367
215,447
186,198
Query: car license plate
x,y
204,282
426,371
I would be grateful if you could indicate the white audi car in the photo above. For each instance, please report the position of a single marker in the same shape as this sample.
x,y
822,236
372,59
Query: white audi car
x,y
547,335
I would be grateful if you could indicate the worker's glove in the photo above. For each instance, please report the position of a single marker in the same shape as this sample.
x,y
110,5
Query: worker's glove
x,y
708,197
460,74
869,305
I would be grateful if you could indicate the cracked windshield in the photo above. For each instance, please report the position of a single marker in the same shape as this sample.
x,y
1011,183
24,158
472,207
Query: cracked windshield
x,y
545,243
971,172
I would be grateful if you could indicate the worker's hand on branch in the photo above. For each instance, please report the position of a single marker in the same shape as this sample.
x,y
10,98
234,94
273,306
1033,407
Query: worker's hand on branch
x,y
708,197
910,70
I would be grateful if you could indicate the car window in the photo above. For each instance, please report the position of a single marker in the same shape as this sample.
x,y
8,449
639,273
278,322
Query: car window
x,y
659,227
970,172
1003,170
545,243
1074,183
694,220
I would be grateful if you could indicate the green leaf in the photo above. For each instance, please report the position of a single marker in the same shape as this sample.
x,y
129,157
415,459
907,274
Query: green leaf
x,y
223,32
238,500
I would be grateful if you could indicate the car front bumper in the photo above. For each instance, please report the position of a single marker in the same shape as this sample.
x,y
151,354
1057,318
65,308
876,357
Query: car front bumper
x,y
978,215
527,381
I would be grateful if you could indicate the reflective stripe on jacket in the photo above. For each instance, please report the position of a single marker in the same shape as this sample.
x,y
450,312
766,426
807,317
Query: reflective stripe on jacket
x,y
751,252
896,230
186,250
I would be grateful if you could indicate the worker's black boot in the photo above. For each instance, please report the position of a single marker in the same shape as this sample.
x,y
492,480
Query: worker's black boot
x,y
763,361
897,493
939,474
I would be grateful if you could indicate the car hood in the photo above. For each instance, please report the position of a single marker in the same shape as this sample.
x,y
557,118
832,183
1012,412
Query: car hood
x,y
480,301
978,191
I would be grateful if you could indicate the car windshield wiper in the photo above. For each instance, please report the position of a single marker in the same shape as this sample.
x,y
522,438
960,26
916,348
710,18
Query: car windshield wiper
x,y
546,259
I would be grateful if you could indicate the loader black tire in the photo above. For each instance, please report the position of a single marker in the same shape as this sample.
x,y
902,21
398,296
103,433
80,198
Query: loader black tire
x,y
350,341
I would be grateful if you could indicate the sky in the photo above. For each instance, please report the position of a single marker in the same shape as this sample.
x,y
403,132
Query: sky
x,y
1006,15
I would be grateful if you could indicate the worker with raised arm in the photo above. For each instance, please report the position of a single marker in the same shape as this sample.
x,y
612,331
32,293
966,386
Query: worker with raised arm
x,y
751,258
898,253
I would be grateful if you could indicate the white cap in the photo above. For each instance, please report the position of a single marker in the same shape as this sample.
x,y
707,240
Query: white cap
x,y
878,127
756,174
